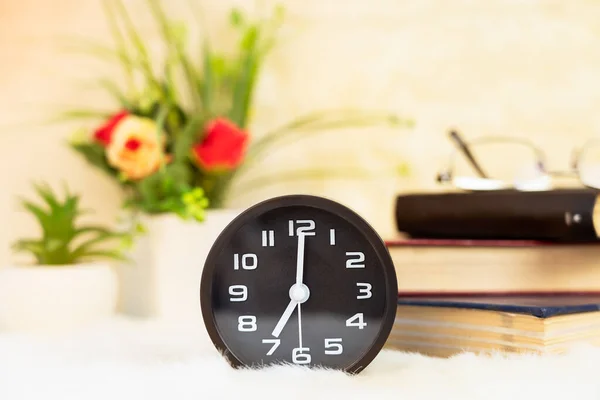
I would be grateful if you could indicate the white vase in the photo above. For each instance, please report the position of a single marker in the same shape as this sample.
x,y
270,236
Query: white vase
x,y
164,279
56,298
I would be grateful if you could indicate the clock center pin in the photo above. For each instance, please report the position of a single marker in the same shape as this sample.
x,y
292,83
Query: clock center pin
x,y
299,293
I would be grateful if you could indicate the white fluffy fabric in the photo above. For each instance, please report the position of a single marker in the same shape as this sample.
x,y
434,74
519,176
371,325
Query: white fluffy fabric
x,y
125,359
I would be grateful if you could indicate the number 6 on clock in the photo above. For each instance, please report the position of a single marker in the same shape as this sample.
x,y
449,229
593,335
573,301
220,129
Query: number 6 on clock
x,y
301,356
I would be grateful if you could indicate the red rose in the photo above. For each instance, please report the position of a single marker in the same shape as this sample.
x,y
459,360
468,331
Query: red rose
x,y
223,146
104,133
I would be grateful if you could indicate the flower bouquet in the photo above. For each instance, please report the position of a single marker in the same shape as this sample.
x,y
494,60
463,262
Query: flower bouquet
x,y
179,136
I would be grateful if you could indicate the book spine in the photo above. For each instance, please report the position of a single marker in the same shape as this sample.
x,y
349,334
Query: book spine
x,y
572,216
497,293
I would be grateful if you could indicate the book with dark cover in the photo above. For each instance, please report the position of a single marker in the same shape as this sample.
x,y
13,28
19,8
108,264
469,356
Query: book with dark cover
x,y
555,215
464,243
541,306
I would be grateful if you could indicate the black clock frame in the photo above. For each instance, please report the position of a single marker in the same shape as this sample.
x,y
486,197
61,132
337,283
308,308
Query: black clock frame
x,y
305,201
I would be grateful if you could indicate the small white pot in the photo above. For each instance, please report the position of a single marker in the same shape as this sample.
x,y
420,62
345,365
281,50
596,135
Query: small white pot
x,y
56,298
164,279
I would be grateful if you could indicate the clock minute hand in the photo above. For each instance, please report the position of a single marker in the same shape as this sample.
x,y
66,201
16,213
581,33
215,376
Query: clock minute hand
x,y
300,259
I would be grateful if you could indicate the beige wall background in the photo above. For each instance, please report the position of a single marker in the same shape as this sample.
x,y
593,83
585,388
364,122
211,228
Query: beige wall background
x,y
528,69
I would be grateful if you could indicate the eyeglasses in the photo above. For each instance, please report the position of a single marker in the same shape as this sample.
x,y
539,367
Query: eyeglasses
x,y
497,162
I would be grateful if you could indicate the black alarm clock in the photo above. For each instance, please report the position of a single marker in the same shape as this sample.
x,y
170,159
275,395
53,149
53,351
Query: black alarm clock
x,y
301,280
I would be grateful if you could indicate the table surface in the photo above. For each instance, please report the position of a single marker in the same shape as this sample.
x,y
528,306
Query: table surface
x,y
125,358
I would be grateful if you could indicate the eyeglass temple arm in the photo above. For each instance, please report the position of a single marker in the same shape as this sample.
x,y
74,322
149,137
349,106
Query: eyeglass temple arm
x,y
462,145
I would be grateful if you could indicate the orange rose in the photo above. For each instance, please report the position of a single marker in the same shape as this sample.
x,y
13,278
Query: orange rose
x,y
136,148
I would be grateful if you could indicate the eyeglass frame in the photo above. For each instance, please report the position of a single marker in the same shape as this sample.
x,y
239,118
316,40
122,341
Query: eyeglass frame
x,y
462,146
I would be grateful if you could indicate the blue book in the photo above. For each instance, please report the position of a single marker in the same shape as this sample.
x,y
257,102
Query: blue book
x,y
541,306
443,326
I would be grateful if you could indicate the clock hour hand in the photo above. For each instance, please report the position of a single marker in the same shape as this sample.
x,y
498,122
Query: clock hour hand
x,y
284,318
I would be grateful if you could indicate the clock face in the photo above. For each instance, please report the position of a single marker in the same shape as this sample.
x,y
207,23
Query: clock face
x,y
299,280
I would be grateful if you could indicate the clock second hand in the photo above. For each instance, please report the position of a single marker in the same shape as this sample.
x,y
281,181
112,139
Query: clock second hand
x,y
300,326
299,284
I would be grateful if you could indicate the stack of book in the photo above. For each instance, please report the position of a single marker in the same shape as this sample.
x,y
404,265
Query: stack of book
x,y
496,271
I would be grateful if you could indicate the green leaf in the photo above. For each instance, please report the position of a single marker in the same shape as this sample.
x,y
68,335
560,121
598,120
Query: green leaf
x,y
100,230
161,119
42,216
313,124
142,54
126,63
270,30
94,154
87,247
54,245
48,196
206,86
236,18
187,138
170,87
245,79
114,90
36,247
180,174
74,114
147,189
100,51
175,44
217,188
332,173
279,13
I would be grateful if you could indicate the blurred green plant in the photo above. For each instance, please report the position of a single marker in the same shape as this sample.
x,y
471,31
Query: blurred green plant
x,y
185,92
64,240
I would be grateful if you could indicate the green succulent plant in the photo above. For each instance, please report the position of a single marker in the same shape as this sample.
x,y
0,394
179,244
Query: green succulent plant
x,y
64,240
